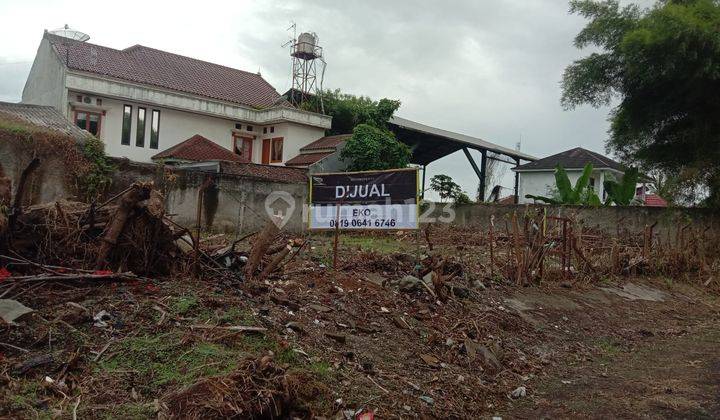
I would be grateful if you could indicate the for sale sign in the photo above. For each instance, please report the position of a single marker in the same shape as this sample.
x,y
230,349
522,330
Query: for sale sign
x,y
364,200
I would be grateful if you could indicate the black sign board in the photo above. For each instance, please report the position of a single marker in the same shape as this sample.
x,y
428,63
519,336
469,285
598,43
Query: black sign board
x,y
364,200
382,187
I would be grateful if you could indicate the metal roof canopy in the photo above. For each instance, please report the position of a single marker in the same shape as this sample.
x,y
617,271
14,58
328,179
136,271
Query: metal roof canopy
x,y
429,144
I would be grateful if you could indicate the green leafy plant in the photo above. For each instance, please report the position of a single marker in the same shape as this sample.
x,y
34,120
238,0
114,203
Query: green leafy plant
x,y
98,178
621,193
462,198
581,194
373,148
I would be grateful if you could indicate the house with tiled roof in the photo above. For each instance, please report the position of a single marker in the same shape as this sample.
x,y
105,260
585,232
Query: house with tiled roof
x,y
322,155
141,101
538,177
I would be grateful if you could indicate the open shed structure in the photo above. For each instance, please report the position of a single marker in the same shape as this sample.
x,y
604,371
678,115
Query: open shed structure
x,y
429,144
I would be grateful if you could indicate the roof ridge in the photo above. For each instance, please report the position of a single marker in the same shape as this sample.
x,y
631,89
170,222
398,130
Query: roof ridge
x,y
191,145
140,46
168,70
62,39
19,104
602,158
574,158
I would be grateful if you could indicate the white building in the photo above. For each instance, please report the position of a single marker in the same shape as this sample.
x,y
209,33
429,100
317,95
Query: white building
x,y
538,177
140,101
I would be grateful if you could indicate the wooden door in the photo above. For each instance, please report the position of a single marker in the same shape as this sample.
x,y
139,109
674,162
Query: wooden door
x,y
266,152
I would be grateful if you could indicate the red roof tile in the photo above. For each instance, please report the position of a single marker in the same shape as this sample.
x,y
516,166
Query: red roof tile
x,y
197,149
510,199
265,172
166,70
328,142
306,159
652,200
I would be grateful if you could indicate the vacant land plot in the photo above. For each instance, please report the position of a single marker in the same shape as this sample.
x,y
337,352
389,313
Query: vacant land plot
x,y
369,336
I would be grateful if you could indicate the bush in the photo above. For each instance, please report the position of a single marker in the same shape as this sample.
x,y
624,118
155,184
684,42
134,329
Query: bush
x,y
372,148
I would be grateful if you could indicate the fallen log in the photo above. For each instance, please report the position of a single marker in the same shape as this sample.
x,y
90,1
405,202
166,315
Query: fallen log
x,y
16,209
275,262
261,245
69,277
128,236
128,202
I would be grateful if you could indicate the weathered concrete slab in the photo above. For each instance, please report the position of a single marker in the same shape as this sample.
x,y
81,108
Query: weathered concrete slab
x,y
632,291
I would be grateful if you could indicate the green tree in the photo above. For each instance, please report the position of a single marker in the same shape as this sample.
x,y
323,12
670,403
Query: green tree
x,y
348,111
663,66
581,194
445,187
372,148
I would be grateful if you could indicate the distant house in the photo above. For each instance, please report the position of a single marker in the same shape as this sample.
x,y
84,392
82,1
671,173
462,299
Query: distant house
x,y
648,198
140,101
538,178
322,155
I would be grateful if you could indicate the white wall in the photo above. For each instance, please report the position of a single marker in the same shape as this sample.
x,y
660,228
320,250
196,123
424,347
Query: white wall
x,y
543,183
45,84
295,136
177,126
113,88
298,136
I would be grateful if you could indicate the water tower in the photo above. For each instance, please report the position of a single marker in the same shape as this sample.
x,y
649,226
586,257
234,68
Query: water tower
x,y
306,53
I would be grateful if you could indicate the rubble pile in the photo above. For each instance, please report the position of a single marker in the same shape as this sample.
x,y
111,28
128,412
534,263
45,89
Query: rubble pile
x,y
131,235
258,388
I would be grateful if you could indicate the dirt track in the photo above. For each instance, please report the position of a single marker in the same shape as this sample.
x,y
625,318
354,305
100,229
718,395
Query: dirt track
x,y
669,369
664,378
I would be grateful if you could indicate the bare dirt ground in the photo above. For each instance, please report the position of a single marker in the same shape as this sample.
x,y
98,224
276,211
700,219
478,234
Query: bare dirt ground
x,y
662,361
358,340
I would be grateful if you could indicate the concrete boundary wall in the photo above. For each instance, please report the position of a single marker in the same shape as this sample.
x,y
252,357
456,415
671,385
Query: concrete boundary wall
x,y
241,203
608,219
235,204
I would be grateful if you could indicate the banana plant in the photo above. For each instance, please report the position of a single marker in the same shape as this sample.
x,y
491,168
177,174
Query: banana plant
x,y
621,193
581,194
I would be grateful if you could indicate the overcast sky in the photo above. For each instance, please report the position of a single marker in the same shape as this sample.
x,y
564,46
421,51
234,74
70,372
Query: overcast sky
x,y
489,69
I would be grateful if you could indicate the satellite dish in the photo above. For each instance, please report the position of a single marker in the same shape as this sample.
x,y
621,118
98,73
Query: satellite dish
x,y
66,32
